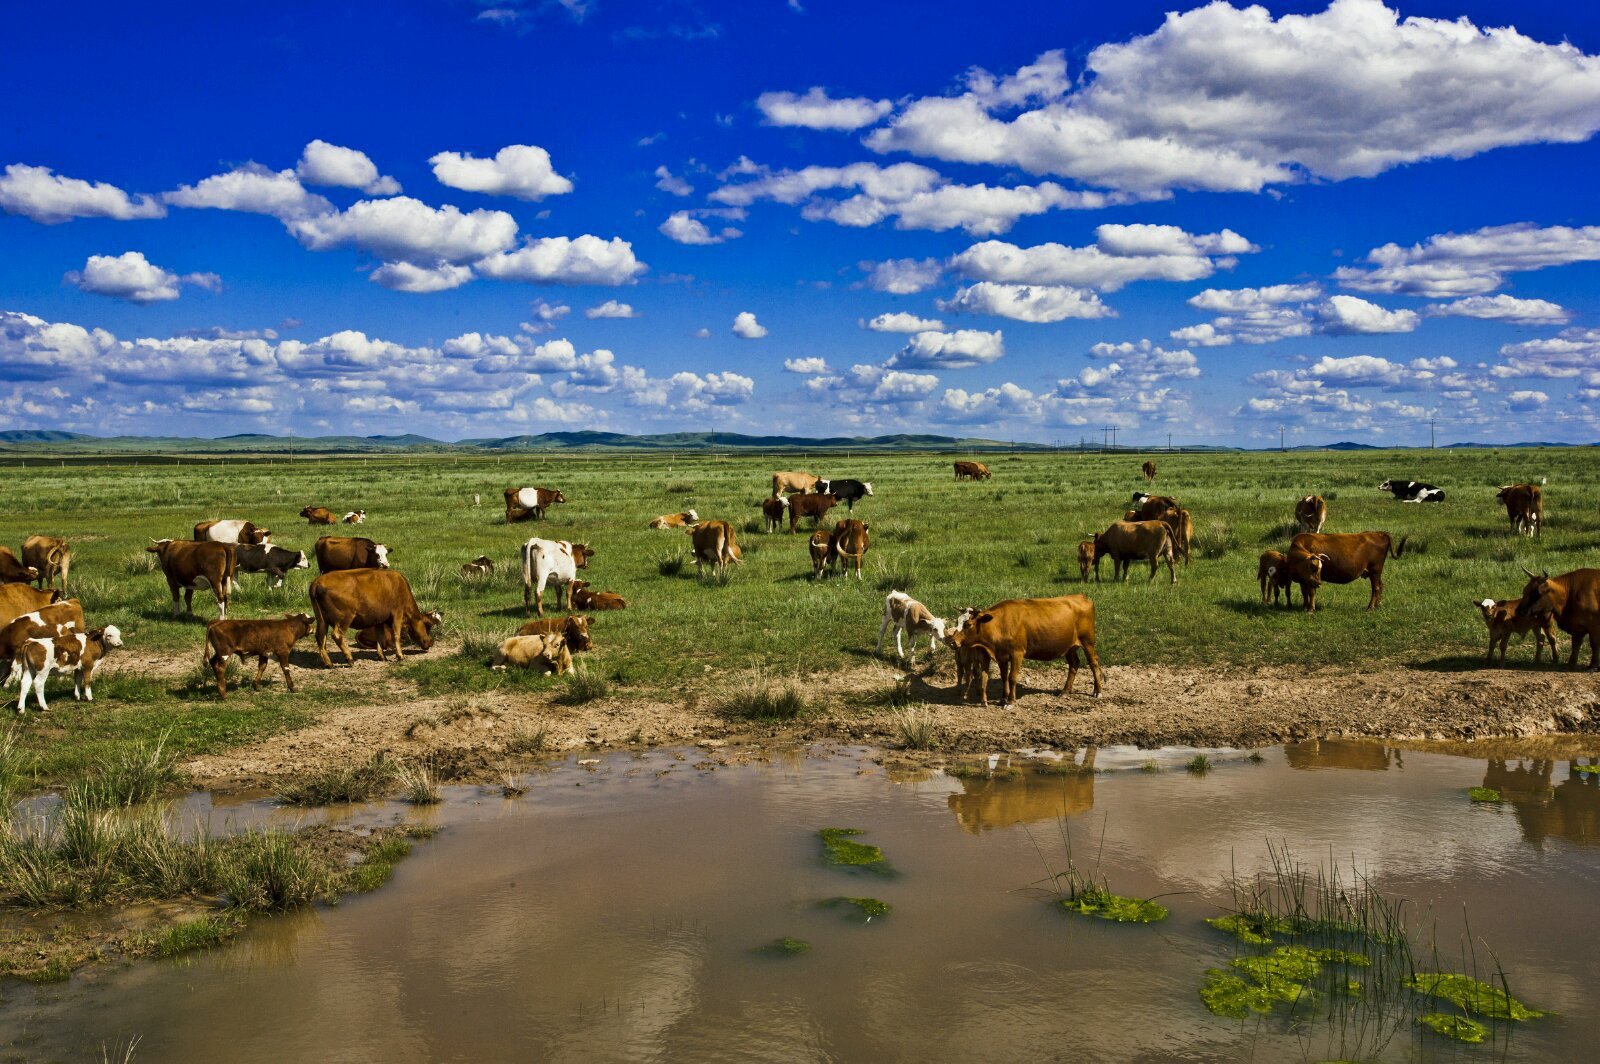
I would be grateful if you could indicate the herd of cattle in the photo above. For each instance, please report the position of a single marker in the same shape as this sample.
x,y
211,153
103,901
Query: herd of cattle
x,y
43,631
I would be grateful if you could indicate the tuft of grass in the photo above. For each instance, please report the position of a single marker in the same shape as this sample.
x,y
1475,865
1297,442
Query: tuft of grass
x,y
784,947
680,487
1214,539
1455,1028
1199,764
1150,765
763,699
204,932
417,783
16,765
477,646
915,729
584,686
896,575
528,740
132,774
267,871
342,783
899,531
374,871
672,564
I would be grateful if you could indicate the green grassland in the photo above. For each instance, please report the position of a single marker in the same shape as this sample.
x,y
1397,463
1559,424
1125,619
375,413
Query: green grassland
x,y
948,543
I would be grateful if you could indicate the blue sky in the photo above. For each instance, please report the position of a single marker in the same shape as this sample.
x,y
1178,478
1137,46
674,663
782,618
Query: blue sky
x,y
1016,220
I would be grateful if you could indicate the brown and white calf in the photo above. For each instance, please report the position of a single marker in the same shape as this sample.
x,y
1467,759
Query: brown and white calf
x,y
1503,622
546,653
574,629
584,599
906,614
356,517
1311,513
264,639
681,520
820,539
772,511
479,567
973,661
231,532
75,651
525,503
1272,573
319,515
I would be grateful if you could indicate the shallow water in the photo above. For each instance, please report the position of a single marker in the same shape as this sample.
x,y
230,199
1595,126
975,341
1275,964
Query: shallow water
x,y
614,911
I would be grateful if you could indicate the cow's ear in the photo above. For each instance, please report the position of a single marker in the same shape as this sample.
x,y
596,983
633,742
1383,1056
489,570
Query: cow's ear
x,y
983,618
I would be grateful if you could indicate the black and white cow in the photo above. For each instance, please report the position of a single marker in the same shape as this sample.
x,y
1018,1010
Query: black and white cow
x,y
269,559
846,491
1412,491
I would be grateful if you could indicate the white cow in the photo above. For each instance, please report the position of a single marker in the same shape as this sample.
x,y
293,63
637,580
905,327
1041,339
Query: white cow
x,y
906,614
551,561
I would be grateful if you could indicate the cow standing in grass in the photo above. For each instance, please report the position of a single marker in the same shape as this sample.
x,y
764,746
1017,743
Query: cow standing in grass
x,y
523,504
847,545
1524,505
551,561
51,556
1350,556
1149,471
369,598
190,566
715,545
1127,541
1311,513
263,639
1573,599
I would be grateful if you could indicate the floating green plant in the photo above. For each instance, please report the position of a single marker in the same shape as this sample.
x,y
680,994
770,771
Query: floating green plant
x,y
1199,764
1339,956
1292,963
1256,929
1459,1028
1225,994
784,947
1466,992
840,849
1101,903
871,908
1484,794
1587,770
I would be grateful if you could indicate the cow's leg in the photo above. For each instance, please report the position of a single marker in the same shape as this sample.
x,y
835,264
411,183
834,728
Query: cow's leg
x,y
1094,664
1072,671
338,637
1377,591
1594,649
883,630
261,667
174,589
23,688
222,607
219,668
397,626
188,601
1172,568
899,647
322,640
283,664
1013,671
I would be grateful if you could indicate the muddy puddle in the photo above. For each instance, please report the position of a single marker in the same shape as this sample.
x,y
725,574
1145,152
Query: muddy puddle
x,y
628,910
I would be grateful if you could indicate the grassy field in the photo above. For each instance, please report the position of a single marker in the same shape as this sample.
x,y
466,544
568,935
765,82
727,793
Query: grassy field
x,y
948,543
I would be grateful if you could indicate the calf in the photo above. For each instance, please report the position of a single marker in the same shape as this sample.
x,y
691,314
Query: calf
x,y
266,558
1085,559
1503,622
584,599
1126,541
356,517
574,629
1272,573
369,598
812,506
1412,491
262,638
12,571
906,614
973,660
1310,513
551,561
231,532
51,556
336,553
792,483
848,544
848,492
319,515
819,551
78,651
1041,629
523,504
1524,505
481,566
547,653
715,545
1307,570
772,511
687,517
191,567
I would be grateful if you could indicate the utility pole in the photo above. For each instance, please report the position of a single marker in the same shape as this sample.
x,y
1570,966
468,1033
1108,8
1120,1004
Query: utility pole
x,y
1113,437
1430,433
1280,438
1169,442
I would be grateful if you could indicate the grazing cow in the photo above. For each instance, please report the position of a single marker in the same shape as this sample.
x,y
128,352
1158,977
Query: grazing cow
x,y
1152,507
906,614
551,561
574,629
266,558
17,599
369,598
1272,573
1412,491
191,567
1573,599
1085,559
772,511
1351,556
481,566
356,517
848,492
1149,471
819,551
1041,629
319,515
1125,541
1182,532
848,544
12,571
1306,570
715,545
51,556
972,471
231,532
335,553
584,599
1503,622
1310,513
795,483
973,660
1524,505
264,639
525,503
79,651
688,517
812,506
547,653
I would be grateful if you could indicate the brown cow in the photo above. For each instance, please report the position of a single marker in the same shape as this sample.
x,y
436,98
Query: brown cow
x,y
263,638
1125,541
973,659
772,511
1041,629
1524,505
51,556
1311,513
319,515
231,532
1149,471
546,653
848,545
1272,573
715,545
1573,599
525,503
819,551
56,618
481,566
12,571
1306,569
972,471
584,599
812,506
1502,621
350,552
369,598
795,483
1182,532
688,517
1351,556
574,629
1085,559
17,599
190,567
1149,507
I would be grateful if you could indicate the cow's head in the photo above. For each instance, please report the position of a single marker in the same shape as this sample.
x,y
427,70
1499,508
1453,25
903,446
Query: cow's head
x,y
257,536
109,636
577,632
1307,568
868,487
556,654
1487,607
581,553
691,517
158,547
380,554
303,623
1541,595
300,560
1387,485
307,512
556,496
421,626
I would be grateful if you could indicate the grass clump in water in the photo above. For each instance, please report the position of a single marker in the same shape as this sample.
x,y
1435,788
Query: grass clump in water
x,y
1256,929
1456,1028
1225,994
870,908
915,729
205,932
133,774
417,783
784,947
1097,901
1199,764
342,783
839,848
1467,993
1484,794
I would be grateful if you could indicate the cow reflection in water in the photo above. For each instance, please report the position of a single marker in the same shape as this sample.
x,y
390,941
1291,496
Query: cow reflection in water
x,y
1567,810
1343,753
1044,791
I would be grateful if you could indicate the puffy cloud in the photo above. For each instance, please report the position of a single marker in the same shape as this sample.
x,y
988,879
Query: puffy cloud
x,y
329,164
519,170
407,277
1344,315
1504,308
1251,315
39,193
610,309
901,322
132,277
1033,303
685,228
253,189
1465,264
865,384
1231,99
1240,300
1362,371
1120,255
806,365
1142,364
563,260
1523,401
1571,353
671,183
746,326
409,230
817,110
903,277
961,349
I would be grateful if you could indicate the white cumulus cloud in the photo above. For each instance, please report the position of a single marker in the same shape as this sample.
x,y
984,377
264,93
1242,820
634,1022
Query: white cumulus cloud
x,y
409,230
806,365
1348,314
746,326
1465,264
903,277
1503,308
960,349
901,322
1031,303
522,171
408,277
610,309
685,228
1120,255
253,189
132,277
566,260
329,164
39,193
817,110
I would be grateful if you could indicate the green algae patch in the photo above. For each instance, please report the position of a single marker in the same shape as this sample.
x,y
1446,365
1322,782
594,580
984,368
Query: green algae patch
x,y
1339,956
1467,993
1586,770
1225,994
1458,1028
1294,964
1484,794
1100,903
784,947
839,848
1257,931
870,908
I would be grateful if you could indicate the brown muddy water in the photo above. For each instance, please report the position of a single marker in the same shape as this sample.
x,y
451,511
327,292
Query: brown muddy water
x,y
616,910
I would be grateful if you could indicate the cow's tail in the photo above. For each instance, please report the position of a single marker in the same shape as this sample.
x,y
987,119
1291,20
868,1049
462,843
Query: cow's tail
x,y
527,565
1395,552
206,648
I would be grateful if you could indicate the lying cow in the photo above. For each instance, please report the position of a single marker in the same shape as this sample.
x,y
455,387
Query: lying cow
x,y
1573,600
1311,513
715,545
266,558
972,471
51,556
75,651
319,515
584,599
1126,541
264,639
848,492
812,506
772,511
1524,505
369,598
523,504
12,571
1412,491
575,630
687,517
356,517
190,567
905,614
551,561
336,553
478,568
795,483
546,653
1041,629
820,539
1351,556
231,532
847,545
1503,622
